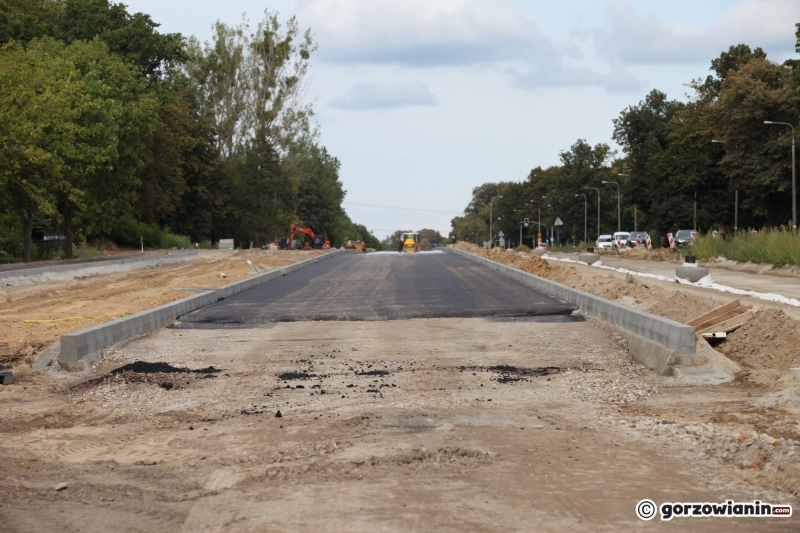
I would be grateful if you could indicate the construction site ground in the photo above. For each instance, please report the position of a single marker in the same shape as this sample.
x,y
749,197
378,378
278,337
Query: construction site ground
x,y
438,424
32,317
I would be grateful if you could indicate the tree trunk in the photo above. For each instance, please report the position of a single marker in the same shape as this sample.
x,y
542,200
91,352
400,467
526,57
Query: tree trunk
x,y
28,223
68,234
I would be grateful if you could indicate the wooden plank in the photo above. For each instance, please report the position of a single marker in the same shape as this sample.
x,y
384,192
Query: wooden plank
x,y
714,312
728,324
722,318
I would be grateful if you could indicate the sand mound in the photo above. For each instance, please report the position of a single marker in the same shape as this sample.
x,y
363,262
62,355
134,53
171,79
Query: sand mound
x,y
682,306
532,264
770,340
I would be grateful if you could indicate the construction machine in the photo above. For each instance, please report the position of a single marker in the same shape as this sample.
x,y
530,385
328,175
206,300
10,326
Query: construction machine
x,y
410,242
355,245
314,241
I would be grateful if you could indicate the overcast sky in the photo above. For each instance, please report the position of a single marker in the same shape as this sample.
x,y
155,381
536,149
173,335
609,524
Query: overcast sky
x,y
422,100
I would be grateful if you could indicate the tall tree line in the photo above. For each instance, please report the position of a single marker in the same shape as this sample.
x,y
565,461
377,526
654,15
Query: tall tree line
x,y
674,154
104,118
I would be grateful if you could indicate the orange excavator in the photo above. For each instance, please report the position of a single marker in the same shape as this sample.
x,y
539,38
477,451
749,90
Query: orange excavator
x,y
314,242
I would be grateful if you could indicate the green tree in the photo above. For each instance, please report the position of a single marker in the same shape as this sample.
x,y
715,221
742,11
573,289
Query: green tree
x,y
24,20
758,157
134,37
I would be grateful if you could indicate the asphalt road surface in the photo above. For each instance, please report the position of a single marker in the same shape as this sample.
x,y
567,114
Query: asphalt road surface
x,y
381,287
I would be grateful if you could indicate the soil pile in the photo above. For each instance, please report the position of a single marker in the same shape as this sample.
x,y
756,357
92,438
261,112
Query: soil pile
x,y
770,340
532,264
641,252
682,306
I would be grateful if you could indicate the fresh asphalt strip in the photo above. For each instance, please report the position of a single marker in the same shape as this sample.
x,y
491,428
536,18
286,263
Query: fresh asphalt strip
x,y
380,287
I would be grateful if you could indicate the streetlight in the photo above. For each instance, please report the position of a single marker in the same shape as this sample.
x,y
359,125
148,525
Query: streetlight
x,y
598,209
794,174
491,201
736,199
585,214
619,227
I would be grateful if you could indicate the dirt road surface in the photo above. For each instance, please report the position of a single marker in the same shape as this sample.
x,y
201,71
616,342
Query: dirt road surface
x,y
438,424
788,286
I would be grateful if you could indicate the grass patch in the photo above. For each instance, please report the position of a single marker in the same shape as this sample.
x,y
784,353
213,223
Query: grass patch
x,y
779,247
170,240
84,250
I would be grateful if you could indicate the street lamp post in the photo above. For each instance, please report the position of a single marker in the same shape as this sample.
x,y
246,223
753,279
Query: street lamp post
x,y
794,173
598,209
735,201
585,215
491,238
619,226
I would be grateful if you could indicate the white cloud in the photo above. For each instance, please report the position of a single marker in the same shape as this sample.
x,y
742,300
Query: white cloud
x,y
618,79
643,39
420,32
386,96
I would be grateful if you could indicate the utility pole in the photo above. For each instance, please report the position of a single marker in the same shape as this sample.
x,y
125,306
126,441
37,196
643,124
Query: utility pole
x,y
695,211
634,217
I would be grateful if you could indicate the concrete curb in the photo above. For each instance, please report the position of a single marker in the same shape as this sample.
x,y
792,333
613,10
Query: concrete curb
x,y
30,276
659,343
80,349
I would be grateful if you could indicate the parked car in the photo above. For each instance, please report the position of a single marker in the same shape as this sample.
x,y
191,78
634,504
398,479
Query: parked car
x,y
604,241
683,237
623,237
641,236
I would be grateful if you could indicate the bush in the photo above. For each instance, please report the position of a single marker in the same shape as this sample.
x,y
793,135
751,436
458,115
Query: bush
x,y
170,240
776,246
128,232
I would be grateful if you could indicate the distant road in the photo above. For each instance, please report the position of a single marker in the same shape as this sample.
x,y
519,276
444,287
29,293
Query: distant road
x,y
56,262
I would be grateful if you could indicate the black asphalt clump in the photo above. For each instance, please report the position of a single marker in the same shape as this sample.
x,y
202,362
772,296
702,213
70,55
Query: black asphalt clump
x,y
141,367
373,373
512,374
291,376
539,371
167,386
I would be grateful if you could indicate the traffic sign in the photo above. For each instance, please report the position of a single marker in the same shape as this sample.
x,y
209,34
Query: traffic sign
x,y
558,222
500,234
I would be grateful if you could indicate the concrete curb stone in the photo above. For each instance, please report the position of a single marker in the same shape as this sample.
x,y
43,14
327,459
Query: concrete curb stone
x,y
665,342
80,349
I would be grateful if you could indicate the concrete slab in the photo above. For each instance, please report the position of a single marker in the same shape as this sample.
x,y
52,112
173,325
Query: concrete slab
x,y
693,274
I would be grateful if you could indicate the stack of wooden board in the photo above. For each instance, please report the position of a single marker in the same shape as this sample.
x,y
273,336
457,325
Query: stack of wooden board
x,y
722,320
5,351
6,376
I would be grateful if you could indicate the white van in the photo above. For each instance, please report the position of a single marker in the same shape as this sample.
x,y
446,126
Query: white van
x,y
620,236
